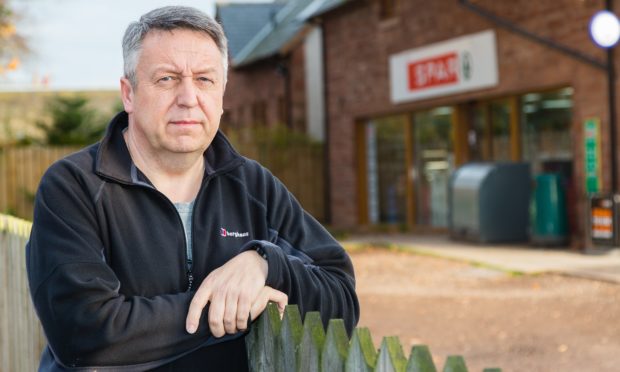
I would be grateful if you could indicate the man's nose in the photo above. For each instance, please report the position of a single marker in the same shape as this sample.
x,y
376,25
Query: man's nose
x,y
187,94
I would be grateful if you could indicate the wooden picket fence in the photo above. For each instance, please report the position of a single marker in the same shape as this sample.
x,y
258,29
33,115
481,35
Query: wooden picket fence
x,y
21,336
21,169
285,344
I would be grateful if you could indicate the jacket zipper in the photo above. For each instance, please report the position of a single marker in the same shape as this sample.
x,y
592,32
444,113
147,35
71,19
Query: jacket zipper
x,y
189,262
188,252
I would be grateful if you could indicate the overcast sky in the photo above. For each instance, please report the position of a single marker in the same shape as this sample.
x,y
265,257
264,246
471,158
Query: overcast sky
x,y
77,43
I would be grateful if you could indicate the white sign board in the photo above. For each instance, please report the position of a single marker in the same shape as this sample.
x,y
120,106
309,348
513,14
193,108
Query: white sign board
x,y
453,66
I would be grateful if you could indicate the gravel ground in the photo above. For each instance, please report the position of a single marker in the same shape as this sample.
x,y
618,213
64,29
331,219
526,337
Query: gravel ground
x,y
494,319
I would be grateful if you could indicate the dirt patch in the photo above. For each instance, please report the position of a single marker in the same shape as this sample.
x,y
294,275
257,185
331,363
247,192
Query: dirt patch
x,y
493,319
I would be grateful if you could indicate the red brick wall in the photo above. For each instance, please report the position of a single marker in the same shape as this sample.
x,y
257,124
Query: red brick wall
x,y
257,83
298,89
358,47
266,82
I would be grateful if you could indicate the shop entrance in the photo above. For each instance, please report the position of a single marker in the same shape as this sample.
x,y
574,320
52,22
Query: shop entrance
x,y
408,159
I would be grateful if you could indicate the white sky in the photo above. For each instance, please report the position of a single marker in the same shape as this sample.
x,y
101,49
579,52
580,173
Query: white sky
x,y
77,43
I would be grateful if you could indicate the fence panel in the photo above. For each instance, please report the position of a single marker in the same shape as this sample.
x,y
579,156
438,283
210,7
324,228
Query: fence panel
x,y
333,351
21,336
21,169
299,165
296,161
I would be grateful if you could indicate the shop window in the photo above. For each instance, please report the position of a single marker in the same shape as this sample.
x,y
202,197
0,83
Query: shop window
x,y
546,128
387,8
386,170
434,162
489,135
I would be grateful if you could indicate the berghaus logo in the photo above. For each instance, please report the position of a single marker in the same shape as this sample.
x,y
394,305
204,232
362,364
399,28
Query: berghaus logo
x,y
232,234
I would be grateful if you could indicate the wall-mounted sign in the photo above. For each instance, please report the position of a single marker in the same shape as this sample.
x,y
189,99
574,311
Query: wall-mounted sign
x,y
453,66
603,209
592,154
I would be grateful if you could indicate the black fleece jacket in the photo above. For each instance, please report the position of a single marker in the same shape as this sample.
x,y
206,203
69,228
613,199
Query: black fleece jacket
x,y
108,269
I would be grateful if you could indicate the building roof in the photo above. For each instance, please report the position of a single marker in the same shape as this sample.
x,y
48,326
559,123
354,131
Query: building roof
x,y
283,28
241,22
320,7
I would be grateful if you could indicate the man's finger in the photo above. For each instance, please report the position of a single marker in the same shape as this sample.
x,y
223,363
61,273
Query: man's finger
x,y
216,314
268,294
230,312
243,312
199,301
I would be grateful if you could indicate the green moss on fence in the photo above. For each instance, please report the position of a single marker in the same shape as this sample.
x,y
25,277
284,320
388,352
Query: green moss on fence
x,y
287,345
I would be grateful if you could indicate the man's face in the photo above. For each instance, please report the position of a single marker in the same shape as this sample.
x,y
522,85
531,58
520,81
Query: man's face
x,y
176,104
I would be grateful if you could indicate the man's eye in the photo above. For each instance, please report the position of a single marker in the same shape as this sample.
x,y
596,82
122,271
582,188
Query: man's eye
x,y
205,80
165,79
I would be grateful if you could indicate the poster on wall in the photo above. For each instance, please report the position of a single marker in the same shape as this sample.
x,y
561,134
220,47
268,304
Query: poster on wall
x,y
592,149
453,66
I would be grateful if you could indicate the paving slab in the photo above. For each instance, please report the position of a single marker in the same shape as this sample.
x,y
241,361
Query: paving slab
x,y
523,258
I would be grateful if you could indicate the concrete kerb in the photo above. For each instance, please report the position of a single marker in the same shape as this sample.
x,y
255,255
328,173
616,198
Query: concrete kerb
x,y
511,259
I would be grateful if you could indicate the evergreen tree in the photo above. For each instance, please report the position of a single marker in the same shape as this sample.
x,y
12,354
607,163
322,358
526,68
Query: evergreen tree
x,y
72,122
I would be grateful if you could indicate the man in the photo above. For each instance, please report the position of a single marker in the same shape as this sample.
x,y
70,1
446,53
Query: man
x,y
156,246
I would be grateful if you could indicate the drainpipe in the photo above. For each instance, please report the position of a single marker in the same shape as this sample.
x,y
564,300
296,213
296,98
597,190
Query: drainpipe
x,y
611,86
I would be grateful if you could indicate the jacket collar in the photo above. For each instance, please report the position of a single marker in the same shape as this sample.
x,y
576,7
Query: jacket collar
x,y
113,160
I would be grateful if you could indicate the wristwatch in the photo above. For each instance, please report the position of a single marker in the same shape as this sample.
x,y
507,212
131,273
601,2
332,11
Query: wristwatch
x,y
261,251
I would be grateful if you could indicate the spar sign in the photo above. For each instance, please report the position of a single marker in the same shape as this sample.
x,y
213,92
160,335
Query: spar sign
x,y
457,65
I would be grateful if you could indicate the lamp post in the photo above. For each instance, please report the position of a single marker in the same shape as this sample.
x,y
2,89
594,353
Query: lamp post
x,y
605,32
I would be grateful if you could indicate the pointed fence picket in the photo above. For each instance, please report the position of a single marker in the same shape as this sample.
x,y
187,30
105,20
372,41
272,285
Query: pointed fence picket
x,y
287,344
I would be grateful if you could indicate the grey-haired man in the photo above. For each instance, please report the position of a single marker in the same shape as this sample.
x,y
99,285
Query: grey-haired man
x,y
153,248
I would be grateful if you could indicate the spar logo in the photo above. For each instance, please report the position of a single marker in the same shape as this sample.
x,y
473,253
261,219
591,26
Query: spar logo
x,y
232,234
441,70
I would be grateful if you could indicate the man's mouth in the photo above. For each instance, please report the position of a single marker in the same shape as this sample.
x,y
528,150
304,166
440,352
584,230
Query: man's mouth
x,y
185,122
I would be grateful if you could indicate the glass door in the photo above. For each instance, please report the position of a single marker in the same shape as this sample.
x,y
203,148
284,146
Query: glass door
x,y
386,168
433,163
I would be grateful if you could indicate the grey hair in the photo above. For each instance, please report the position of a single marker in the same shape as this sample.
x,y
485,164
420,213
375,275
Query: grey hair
x,y
169,18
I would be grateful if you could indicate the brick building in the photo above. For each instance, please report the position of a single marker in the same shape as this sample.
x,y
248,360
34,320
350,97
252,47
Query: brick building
x,y
415,89
276,75
393,146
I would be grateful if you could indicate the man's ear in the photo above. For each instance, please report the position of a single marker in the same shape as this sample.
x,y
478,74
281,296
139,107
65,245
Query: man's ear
x,y
127,95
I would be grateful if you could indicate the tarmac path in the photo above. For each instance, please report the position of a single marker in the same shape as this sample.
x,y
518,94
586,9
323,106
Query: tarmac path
x,y
544,322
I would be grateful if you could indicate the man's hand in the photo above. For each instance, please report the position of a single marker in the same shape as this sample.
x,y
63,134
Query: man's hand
x,y
234,289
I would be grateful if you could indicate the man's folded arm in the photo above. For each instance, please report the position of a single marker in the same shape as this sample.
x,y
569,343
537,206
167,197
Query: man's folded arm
x,y
76,294
305,261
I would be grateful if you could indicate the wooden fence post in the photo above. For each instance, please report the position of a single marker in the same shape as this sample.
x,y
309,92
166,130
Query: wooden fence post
x,y
455,363
263,341
391,357
362,353
291,333
336,346
421,360
312,343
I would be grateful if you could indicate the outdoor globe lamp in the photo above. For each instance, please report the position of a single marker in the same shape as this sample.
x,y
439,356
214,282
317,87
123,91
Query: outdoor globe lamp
x,y
605,29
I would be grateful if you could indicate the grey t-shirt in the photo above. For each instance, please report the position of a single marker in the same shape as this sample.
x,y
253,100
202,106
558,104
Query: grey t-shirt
x,y
185,211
